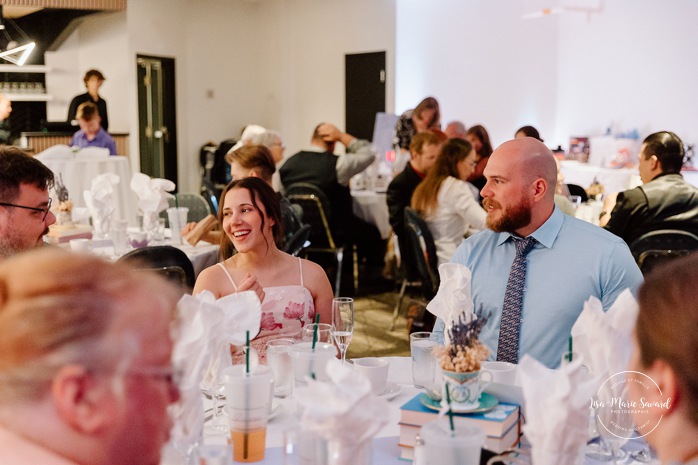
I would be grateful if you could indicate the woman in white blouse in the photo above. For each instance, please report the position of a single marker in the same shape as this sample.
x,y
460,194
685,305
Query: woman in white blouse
x,y
446,201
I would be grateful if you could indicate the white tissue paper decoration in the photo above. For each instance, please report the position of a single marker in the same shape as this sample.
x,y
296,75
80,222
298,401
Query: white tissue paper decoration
x,y
344,411
557,410
604,339
100,202
205,325
453,297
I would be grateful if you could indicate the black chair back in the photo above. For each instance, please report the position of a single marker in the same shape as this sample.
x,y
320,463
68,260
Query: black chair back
x,y
162,256
299,241
575,189
656,247
316,213
420,246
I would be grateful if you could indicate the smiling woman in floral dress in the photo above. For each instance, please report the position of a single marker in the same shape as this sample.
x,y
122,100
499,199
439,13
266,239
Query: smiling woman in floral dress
x,y
291,290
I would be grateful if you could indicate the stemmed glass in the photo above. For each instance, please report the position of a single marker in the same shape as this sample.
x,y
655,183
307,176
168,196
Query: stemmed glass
x,y
343,321
213,386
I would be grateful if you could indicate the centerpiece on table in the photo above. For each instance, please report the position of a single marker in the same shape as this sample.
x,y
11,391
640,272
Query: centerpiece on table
x,y
64,209
460,361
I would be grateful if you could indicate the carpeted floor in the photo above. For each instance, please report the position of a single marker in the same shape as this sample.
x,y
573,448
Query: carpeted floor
x,y
373,315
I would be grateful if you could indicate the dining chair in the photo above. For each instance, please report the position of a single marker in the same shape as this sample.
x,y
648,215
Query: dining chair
x,y
422,251
298,242
656,247
196,203
317,213
577,190
163,258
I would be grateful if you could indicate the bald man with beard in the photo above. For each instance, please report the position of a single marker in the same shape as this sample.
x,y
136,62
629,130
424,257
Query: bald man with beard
x,y
570,260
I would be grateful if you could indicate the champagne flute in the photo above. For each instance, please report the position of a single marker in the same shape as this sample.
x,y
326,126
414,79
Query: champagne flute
x,y
343,321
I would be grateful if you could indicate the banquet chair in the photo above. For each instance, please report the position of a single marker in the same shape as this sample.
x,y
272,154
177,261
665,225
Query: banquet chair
x,y
296,244
422,251
656,247
163,259
197,205
317,214
575,189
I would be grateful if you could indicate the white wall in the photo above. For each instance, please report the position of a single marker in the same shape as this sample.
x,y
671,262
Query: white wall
x,y
280,63
630,66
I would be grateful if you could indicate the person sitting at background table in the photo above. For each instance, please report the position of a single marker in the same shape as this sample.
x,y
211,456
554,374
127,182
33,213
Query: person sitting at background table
x,y
424,150
255,161
456,130
477,135
5,110
292,290
93,81
664,200
425,116
25,214
527,131
272,140
446,202
560,260
91,134
666,350
85,361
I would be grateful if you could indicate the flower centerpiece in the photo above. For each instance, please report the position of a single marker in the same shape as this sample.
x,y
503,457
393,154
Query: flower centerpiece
x,y
460,359
64,209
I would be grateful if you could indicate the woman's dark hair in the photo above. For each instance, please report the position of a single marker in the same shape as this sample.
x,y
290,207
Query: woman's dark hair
x,y
529,131
425,196
259,191
429,103
480,132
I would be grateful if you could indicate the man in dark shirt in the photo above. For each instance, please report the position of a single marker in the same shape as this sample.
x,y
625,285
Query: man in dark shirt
x,y
664,201
424,149
93,81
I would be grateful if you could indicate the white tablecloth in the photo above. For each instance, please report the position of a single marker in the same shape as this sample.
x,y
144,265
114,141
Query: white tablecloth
x,y
78,175
385,448
372,207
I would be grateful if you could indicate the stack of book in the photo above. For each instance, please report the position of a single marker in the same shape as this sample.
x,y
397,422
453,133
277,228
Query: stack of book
x,y
501,425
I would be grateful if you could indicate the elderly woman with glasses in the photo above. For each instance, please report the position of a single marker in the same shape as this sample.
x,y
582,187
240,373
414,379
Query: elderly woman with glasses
x,y
446,201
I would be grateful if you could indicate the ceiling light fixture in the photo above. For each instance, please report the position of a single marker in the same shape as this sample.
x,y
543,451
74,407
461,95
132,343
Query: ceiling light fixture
x,y
13,51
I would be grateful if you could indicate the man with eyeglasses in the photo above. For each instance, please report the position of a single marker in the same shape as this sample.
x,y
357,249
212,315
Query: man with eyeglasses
x,y
85,361
25,204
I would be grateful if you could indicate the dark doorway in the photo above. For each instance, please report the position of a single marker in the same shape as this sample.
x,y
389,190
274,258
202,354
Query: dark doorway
x,y
157,119
364,92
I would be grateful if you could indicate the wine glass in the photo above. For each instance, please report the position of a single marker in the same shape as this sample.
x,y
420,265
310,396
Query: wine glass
x,y
213,386
343,321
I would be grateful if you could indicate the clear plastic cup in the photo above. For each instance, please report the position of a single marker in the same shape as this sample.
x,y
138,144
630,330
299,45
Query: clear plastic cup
x,y
279,360
308,362
445,447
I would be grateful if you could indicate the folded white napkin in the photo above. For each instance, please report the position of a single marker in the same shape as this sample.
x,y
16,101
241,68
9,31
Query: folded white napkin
x,y
100,201
342,410
56,152
152,193
205,326
604,339
453,297
557,407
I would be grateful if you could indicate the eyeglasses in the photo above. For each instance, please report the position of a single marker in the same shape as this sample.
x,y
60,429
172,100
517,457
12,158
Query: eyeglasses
x,y
44,210
473,163
280,144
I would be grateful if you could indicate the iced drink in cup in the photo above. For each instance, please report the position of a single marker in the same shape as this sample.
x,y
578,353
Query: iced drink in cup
x,y
279,360
445,447
248,397
308,361
424,366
